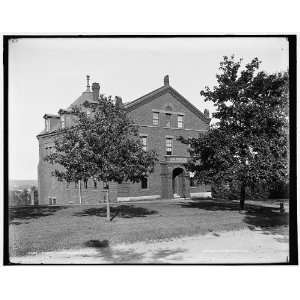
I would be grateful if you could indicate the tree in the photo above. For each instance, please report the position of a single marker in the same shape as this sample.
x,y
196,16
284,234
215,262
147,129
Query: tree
x,y
248,144
103,144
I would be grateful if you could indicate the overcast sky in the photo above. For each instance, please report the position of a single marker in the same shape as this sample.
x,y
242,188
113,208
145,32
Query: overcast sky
x,y
48,74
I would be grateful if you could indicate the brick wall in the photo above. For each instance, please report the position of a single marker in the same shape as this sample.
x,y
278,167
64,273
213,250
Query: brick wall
x,y
64,193
159,182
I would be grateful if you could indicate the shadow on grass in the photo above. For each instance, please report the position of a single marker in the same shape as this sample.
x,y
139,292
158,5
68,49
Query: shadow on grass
x,y
269,219
97,244
212,205
31,212
122,211
117,256
113,256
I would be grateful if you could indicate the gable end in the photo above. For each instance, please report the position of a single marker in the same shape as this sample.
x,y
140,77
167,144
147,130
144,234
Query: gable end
x,y
161,91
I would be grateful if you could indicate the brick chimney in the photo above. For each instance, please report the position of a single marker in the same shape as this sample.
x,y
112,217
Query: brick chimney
x,y
166,80
118,101
96,90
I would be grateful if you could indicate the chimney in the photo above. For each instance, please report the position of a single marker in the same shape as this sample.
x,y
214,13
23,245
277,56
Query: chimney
x,y
206,113
88,83
166,80
96,90
118,101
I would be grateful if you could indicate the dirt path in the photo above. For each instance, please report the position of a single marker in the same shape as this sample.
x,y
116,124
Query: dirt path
x,y
241,246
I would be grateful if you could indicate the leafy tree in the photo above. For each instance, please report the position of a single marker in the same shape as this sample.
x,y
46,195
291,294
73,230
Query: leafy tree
x,y
103,144
248,144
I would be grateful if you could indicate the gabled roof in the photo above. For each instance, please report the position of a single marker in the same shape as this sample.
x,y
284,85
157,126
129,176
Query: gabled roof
x,y
130,106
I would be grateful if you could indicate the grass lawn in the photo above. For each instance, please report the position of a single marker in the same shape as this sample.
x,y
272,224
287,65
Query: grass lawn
x,y
47,228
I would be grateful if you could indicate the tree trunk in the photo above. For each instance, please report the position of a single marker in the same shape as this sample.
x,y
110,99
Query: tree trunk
x,y
243,196
107,206
79,192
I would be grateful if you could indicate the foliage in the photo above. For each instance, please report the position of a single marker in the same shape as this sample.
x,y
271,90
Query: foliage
x,y
248,144
103,144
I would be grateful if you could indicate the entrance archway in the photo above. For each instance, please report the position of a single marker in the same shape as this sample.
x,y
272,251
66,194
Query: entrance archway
x,y
178,183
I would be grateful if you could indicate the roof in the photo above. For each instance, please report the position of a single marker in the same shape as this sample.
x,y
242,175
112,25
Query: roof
x,y
46,116
85,96
130,106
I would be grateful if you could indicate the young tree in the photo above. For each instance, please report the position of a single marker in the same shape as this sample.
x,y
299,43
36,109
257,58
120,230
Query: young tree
x,y
248,144
104,145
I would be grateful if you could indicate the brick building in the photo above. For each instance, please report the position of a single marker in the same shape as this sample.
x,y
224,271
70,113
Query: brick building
x,y
162,116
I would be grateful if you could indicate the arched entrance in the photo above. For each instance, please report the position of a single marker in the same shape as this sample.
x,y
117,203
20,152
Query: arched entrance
x,y
178,183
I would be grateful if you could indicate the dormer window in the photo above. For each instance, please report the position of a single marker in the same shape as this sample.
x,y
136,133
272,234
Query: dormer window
x,y
63,121
47,124
155,118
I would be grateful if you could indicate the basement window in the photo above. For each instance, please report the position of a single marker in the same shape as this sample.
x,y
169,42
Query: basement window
x,y
52,200
144,183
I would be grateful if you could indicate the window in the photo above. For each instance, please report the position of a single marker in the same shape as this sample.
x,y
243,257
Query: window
x,y
144,183
95,183
63,121
47,124
169,146
168,120
88,112
155,118
144,142
85,183
52,200
180,121
49,150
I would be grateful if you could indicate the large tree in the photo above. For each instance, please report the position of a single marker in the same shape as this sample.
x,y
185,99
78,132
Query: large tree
x,y
247,146
103,144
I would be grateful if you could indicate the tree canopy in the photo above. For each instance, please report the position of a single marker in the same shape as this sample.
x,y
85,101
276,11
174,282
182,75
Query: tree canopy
x,y
103,144
248,144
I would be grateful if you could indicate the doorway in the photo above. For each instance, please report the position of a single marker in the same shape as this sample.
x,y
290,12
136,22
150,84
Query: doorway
x,y
178,183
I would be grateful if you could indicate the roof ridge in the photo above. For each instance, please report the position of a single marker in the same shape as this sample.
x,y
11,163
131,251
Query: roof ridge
x,y
128,104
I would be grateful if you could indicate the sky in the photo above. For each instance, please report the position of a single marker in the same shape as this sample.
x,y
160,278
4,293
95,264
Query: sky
x,y
48,74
